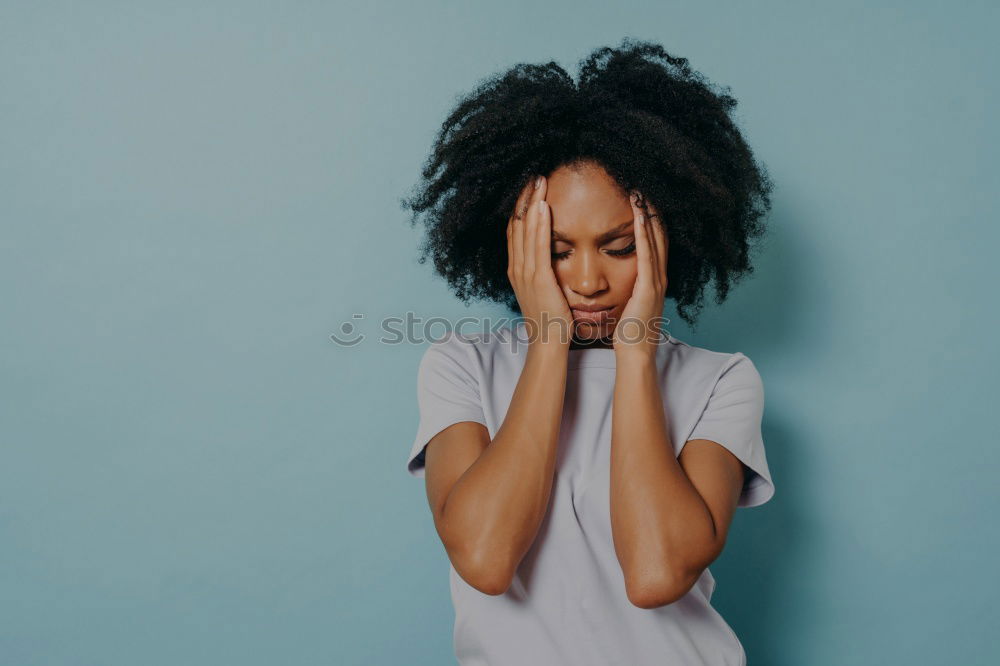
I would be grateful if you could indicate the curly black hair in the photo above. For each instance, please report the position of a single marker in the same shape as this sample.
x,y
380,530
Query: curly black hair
x,y
642,114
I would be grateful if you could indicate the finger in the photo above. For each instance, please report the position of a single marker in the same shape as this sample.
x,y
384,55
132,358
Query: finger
x,y
523,200
543,237
653,243
517,243
658,279
660,235
654,250
659,242
513,258
664,238
531,260
510,247
642,249
530,234
666,254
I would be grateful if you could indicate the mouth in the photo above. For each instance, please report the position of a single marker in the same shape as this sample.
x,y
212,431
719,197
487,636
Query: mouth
x,y
593,316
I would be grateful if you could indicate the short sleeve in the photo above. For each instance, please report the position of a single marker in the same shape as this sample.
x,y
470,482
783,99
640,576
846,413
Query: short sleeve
x,y
447,393
733,418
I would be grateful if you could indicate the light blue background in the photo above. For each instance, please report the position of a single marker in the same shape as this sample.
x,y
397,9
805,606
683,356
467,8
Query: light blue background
x,y
194,196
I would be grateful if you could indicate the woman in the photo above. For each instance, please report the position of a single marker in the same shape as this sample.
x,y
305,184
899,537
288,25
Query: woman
x,y
583,468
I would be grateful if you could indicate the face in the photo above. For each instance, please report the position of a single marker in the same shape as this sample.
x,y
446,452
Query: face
x,y
593,245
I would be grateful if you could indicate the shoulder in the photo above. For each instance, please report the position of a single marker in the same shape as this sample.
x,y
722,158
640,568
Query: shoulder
x,y
451,343
709,366
474,352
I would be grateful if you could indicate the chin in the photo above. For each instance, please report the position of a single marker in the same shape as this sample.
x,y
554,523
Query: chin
x,y
583,330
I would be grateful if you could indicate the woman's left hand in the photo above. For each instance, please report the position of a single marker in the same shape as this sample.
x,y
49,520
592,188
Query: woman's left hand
x,y
638,331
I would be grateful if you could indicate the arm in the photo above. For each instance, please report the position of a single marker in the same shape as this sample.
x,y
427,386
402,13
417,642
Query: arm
x,y
489,501
669,517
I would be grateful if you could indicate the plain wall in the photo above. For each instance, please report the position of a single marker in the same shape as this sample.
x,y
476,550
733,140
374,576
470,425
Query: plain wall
x,y
195,196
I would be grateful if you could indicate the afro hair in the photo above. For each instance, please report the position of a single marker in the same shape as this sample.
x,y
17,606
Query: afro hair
x,y
643,115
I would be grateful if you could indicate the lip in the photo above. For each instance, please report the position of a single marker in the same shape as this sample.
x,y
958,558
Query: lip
x,y
591,308
592,316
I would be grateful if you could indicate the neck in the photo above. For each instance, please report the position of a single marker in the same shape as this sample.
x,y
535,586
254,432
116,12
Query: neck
x,y
593,343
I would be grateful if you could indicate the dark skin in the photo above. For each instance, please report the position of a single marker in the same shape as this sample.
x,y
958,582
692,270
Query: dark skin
x,y
588,243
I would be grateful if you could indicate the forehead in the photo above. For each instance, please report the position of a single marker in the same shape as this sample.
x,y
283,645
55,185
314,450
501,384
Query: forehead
x,y
587,203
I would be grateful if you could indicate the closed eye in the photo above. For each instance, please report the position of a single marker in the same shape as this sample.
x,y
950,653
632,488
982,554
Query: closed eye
x,y
623,252
629,249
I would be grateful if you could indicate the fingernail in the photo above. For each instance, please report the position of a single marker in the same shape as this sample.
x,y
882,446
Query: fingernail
x,y
538,182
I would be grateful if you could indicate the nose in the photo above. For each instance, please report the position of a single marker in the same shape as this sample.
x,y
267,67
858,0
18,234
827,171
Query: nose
x,y
588,279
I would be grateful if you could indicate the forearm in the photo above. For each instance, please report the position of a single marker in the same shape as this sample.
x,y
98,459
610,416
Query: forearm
x,y
495,509
661,526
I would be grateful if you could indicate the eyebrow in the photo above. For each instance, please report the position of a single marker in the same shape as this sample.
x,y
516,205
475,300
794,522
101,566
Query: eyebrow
x,y
607,235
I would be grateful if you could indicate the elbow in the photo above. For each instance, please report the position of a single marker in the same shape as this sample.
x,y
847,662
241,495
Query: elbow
x,y
492,581
486,574
491,585
671,585
483,566
653,596
649,594
665,585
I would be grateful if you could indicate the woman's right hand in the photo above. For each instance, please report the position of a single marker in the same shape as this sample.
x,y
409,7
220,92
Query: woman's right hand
x,y
529,268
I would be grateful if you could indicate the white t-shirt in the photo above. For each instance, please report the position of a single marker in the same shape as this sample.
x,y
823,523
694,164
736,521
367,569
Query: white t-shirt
x,y
567,603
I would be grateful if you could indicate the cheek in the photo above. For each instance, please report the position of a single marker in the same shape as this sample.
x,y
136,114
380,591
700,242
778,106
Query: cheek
x,y
564,275
622,276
